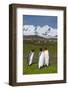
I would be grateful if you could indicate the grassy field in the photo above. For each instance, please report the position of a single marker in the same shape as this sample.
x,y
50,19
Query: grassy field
x,y
33,69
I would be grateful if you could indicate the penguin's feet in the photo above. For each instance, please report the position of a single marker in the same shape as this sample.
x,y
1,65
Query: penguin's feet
x,y
29,64
47,65
39,67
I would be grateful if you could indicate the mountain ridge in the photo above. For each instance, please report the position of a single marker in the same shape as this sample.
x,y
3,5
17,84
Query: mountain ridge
x,y
42,31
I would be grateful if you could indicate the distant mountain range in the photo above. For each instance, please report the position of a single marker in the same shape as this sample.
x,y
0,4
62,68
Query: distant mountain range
x,y
42,31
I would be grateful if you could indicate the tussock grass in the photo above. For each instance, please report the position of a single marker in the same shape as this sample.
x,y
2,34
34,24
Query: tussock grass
x,y
33,69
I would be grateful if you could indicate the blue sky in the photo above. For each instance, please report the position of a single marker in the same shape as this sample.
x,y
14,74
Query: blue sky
x,y
40,20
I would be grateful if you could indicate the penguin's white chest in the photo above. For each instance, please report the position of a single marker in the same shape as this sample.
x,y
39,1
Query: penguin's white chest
x,y
41,60
46,57
31,58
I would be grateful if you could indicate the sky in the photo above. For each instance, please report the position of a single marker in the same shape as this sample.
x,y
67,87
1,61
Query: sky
x,y
40,20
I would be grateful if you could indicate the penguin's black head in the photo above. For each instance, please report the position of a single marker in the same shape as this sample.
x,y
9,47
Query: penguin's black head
x,y
32,50
45,48
40,49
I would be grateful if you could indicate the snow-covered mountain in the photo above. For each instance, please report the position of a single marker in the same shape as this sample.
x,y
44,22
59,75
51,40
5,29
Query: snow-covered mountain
x,y
43,31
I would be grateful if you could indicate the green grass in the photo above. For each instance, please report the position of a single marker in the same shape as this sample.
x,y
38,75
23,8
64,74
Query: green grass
x,y
33,69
